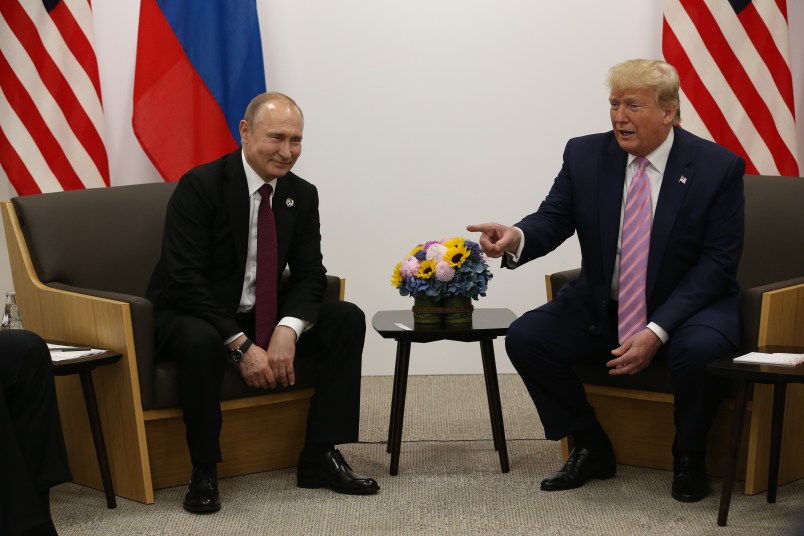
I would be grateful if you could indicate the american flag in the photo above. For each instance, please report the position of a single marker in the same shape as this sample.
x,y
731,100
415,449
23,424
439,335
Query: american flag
x,y
733,60
51,115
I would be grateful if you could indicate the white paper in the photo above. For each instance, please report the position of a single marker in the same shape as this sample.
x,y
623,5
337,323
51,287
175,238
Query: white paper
x,y
778,359
61,355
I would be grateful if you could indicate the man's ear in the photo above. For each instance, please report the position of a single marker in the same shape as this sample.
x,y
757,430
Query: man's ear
x,y
669,115
244,131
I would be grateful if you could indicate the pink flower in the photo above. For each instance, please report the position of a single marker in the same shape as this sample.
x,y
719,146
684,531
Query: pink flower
x,y
444,272
436,251
410,267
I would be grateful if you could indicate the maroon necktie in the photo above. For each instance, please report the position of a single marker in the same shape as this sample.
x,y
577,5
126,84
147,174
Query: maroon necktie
x,y
632,314
267,266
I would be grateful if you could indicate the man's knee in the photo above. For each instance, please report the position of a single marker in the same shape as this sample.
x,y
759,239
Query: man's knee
x,y
345,316
191,338
691,348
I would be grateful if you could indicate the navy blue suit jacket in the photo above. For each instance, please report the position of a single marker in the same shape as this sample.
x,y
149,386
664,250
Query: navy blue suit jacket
x,y
696,238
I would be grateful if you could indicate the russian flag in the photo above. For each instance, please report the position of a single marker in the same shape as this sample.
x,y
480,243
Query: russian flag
x,y
198,66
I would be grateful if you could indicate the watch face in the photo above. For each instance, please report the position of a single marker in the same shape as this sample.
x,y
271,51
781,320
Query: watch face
x,y
235,356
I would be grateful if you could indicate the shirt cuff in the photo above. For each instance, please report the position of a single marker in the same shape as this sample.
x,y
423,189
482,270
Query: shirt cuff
x,y
513,258
232,338
296,324
661,333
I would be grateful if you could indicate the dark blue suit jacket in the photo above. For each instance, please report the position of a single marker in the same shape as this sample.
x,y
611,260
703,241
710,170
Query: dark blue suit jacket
x,y
696,239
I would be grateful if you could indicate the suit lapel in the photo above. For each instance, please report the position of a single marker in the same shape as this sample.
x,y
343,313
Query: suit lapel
x,y
284,215
236,199
678,176
610,194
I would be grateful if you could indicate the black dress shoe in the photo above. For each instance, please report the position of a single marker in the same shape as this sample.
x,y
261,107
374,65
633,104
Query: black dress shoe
x,y
202,492
330,470
581,465
689,477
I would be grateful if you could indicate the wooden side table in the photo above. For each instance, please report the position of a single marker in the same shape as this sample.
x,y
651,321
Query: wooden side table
x,y
746,375
486,325
83,366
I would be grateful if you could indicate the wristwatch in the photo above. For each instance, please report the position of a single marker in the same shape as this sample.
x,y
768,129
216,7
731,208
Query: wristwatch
x,y
236,354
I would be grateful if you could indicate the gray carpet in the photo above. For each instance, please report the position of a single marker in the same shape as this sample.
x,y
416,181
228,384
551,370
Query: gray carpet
x,y
449,482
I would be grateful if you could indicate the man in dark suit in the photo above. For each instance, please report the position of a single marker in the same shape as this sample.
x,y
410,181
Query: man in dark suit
x,y
682,303
216,289
33,458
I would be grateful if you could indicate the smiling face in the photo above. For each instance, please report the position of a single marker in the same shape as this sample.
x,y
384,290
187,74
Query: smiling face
x,y
640,124
272,142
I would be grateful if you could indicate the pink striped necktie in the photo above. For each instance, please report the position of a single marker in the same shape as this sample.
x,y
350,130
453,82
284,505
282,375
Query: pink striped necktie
x,y
632,309
265,302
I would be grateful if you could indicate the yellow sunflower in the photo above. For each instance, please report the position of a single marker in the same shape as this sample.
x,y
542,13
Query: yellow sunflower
x,y
426,269
396,277
456,252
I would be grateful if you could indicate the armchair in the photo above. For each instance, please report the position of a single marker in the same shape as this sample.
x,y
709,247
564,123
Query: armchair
x,y
771,275
80,261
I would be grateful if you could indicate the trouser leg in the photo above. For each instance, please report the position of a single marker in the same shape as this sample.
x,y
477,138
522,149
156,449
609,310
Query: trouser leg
x,y
697,393
32,453
200,356
543,348
336,345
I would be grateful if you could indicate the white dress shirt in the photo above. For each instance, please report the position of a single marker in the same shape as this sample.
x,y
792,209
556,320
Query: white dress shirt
x,y
249,293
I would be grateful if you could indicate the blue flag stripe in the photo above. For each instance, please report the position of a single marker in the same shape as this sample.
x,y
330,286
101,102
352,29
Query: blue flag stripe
x,y
222,40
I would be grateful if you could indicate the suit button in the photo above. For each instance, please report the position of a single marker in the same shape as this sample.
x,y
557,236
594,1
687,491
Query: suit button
x,y
592,327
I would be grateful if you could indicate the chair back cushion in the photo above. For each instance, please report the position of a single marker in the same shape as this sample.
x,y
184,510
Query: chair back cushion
x,y
101,238
774,230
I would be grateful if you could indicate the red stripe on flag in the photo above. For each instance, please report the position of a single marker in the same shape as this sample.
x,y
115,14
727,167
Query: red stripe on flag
x,y
700,98
738,80
763,113
763,41
84,143
77,42
16,169
25,108
176,119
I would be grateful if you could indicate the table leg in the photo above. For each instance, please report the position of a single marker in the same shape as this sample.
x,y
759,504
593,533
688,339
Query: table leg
x,y
97,436
734,449
394,395
495,407
779,392
398,409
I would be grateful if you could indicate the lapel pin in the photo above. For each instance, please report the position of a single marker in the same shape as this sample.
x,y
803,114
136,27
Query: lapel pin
x,y
683,180
289,202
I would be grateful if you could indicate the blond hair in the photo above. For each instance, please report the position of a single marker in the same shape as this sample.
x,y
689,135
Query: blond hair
x,y
648,74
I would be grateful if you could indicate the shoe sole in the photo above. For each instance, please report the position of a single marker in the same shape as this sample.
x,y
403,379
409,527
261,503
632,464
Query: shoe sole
x,y
686,498
314,483
203,509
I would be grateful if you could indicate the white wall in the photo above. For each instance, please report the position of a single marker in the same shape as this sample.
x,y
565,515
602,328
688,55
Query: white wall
x,y
421,117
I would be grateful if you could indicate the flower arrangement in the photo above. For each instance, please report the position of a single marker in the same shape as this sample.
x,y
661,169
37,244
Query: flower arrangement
x,y
439,269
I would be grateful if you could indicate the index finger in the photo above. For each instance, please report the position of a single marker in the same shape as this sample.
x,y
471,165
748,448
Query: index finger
x,y
479,227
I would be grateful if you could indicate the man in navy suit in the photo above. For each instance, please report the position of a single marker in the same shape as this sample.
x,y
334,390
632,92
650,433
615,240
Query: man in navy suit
x,y
690,293
204,291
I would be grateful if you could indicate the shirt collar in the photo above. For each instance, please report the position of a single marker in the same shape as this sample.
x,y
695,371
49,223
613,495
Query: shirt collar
x,y
254,181
658,158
